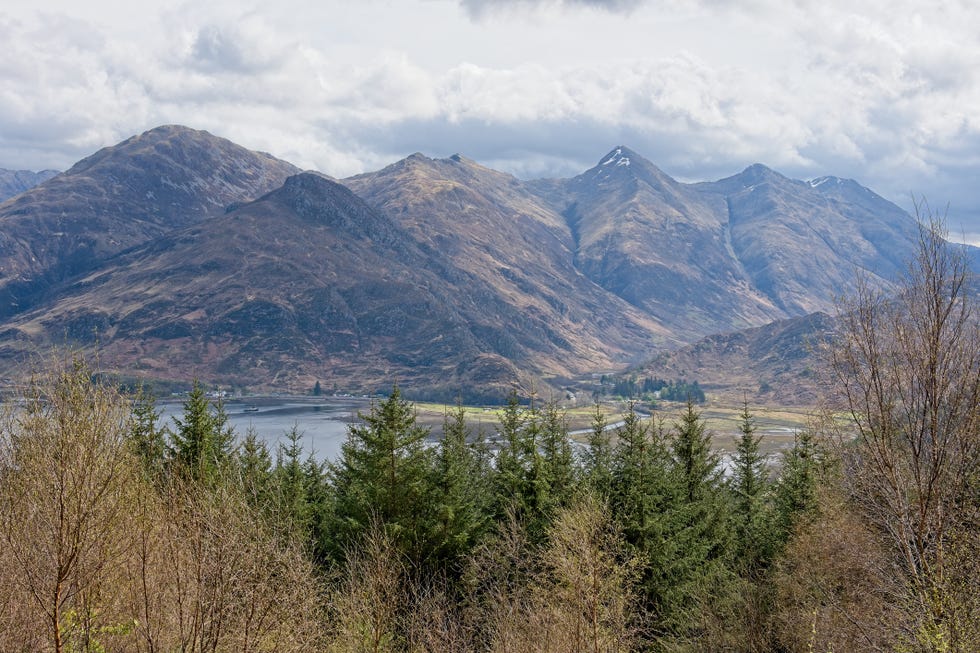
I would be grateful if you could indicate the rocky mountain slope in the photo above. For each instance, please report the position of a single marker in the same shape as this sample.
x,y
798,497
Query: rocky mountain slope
x,y
184,255
779,363
122,196
15,182
305,283
519,256
719,256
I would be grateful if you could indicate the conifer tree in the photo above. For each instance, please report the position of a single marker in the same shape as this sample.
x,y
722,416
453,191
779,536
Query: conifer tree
x,y
643,500
597,459
795,492
147,440
294,509
514,459
201,447
697,467
255,468
558,464
383,474
223,435
697,579
635,478
462,495
319,499
749,485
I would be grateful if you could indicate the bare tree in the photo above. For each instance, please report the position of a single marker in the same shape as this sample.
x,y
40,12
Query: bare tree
x,y
907,369
67,485
370,597
580,599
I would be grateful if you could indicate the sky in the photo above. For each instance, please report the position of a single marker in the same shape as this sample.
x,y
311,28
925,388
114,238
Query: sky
x,y
886,92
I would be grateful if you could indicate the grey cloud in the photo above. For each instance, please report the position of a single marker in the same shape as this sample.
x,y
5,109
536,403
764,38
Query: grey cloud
x,y
227,49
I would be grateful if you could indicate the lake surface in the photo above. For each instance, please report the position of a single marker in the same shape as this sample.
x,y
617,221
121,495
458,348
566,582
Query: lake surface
x,y
322,423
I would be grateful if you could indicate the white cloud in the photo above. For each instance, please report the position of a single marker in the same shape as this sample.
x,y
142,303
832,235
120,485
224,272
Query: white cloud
x,y
884,93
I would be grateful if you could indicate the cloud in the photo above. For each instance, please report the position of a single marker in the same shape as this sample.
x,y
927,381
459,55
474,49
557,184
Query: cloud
x,y
481,8
886,96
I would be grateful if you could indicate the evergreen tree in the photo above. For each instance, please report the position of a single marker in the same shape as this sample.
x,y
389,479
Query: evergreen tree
x,y
383,474
254,469
147,440
558,472
319,499
643,499
597,459
697,578
636,478
749,485
534,466
290,477
795,490
697,467
202,444
512,490
462,495
223,434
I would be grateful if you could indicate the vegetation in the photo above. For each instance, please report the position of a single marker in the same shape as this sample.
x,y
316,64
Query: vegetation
x,y
124,534
651,389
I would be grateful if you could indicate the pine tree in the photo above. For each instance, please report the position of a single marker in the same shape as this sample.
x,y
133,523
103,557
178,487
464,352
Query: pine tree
x,y
643,499
462,493
697,467
254,469
635,478
558,465
795,490
223,435
198,447
147,440
383,474
697,578
597,459
290,478
512,490
319,499
749,485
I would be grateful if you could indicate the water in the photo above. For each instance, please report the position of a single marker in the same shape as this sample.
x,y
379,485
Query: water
x,y
322,423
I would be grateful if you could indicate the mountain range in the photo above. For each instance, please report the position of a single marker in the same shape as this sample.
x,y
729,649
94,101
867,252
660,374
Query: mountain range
x,y
184,255
15,182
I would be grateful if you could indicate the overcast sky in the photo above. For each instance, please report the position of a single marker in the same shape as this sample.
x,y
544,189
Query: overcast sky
x,y
883,91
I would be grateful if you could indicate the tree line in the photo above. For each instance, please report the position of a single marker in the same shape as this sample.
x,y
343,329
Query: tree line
x,y
125,534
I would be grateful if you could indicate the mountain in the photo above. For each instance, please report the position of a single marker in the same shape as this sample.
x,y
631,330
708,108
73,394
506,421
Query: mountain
x,y
519,255
183,255
120,197
721,256
801,243
775,364
306,283
15,182
660,245
307,276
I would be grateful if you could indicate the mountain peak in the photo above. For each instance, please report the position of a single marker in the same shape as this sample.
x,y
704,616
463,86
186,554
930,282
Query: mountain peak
x,y
758,172
623,165
619,156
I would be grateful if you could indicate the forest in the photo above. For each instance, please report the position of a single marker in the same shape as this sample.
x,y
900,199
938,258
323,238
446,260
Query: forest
x,y
125,534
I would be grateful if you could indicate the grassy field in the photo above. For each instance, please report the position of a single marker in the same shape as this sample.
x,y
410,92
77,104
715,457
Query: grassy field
x,y
776,425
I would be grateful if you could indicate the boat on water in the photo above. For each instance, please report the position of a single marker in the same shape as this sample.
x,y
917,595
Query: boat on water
x,y
251,409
